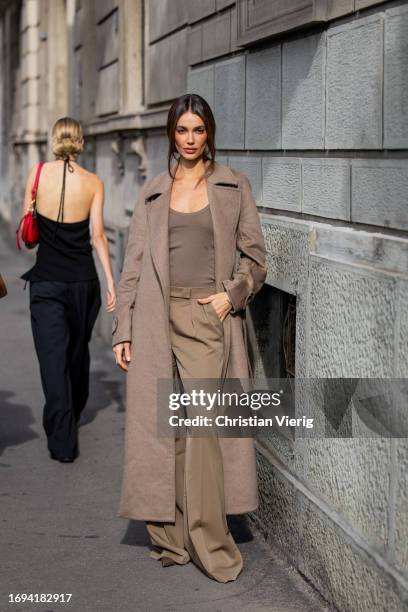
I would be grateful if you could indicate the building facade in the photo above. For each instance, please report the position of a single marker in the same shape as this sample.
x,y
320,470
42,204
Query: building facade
x,y
311,102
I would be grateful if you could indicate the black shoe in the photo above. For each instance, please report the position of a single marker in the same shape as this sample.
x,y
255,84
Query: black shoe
x,y
62,459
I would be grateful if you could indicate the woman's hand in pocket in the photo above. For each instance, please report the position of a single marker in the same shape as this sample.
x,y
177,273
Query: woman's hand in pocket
x,y
122,355
220,302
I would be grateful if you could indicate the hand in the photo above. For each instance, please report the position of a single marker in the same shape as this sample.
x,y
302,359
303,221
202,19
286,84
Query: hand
x,y
110,297
122,355
220,302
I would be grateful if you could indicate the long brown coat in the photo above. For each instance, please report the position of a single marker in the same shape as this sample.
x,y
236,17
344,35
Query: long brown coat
x,y
142,317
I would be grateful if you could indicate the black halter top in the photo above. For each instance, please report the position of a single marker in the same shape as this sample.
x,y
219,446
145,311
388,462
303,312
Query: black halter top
x,y
64,251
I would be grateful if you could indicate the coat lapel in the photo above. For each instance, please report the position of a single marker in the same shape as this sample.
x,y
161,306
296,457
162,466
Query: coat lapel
x,y
224,198
158,219
225,206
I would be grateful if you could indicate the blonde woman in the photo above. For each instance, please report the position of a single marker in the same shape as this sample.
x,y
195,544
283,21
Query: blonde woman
x,y
64,287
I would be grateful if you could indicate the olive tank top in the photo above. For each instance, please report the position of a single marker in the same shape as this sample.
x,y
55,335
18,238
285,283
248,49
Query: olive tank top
x,y
191,248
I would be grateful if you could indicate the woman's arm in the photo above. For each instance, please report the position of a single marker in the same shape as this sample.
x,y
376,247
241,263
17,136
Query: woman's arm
x,y
251,273
28,188
101,245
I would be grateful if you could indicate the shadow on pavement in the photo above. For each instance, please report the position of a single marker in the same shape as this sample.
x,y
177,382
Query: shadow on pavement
x,y
240,528
15,422
136,534
104,392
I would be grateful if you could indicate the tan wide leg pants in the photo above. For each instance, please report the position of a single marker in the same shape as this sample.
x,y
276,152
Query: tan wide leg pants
x,y
200,532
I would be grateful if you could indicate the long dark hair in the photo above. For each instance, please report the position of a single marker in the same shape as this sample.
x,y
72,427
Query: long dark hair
x,y
197,105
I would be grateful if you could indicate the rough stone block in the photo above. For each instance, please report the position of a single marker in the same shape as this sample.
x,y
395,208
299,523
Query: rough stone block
x,y
379,192
361,248
216,36
195,44
107,98
282,183
301,320
229,102
352,315
263,99
396,79
287,247
201,82
401,514
278,514
171,51
345,574
351,475
303,92
403,331
354,85
340,570
326,188
107,40
280,446
252,168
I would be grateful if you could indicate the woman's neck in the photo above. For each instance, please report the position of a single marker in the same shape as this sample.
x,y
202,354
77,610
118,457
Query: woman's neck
x,y
190,170
71,159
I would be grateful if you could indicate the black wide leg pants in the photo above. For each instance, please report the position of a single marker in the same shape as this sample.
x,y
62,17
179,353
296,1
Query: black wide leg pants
x,y
63,315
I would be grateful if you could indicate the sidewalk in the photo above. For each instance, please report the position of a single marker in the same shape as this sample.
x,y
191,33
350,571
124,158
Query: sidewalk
x,y
60,532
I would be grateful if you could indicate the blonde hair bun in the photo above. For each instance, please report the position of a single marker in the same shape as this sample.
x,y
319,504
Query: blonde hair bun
x,y
67,138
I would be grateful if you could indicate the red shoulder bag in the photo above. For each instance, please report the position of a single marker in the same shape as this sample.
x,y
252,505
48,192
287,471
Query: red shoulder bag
x,y
28,224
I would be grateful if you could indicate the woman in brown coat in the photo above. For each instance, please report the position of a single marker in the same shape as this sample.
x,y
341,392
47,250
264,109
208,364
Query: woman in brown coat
x,y
180,313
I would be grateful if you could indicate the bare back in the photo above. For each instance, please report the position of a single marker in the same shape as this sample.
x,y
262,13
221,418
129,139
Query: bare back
x,y
80,189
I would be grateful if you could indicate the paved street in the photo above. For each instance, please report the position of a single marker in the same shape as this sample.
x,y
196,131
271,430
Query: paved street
x,y
60,532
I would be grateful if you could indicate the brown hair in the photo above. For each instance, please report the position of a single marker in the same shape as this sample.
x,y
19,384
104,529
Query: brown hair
x,y
67,138
197,105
